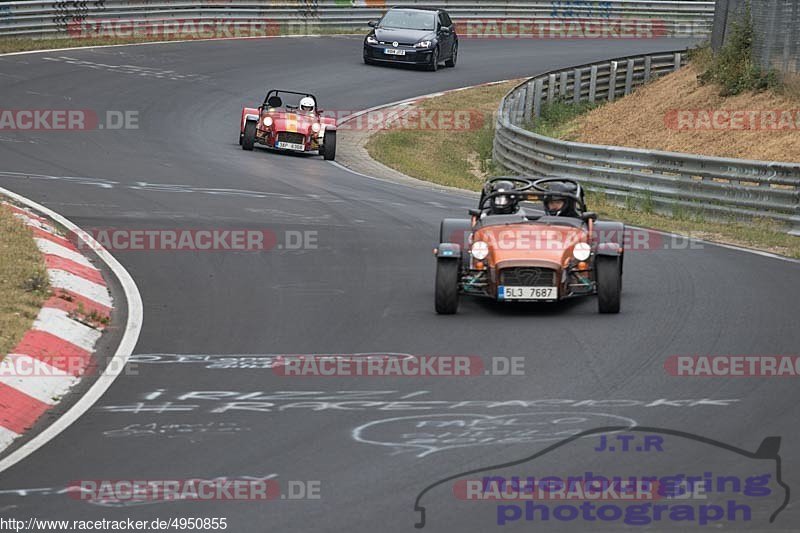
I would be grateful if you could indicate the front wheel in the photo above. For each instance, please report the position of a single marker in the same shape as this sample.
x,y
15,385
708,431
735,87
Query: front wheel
x,y
446,297
609,283
249,136
434,65
450,63
329,146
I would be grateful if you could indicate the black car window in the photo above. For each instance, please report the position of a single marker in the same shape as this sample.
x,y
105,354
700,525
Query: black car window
x,y
445,19
409,20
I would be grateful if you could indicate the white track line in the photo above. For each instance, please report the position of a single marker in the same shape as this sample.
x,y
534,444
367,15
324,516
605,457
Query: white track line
x,y
127,344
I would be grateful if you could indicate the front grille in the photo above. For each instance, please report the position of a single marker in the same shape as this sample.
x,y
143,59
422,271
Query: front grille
x,y
291,137
528,277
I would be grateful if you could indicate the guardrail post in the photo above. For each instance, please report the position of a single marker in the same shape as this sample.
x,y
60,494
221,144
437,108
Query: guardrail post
x,y
564,78
648,64
576,91
537,98
629,77
529,100
551,87
520,107
593,83
677,60
612,82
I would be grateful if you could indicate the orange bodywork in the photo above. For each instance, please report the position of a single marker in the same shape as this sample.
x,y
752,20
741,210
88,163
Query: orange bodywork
x,y
531,244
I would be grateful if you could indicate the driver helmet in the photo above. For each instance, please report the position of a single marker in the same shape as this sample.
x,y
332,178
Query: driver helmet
x,y
504,204
559,206
307,104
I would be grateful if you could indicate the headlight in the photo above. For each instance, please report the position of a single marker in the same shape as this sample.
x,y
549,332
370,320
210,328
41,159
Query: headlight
x,y
479,250
315,127
582,251
267,121
371,39
423,44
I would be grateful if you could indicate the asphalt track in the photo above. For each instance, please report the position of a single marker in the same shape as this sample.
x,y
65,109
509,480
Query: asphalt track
x,y
367,287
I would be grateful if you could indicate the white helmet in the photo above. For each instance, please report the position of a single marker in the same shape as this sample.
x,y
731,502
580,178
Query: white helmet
x,y
307,104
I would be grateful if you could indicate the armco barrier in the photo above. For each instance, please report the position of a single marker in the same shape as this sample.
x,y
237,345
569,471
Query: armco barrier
x,y
53,19
673,183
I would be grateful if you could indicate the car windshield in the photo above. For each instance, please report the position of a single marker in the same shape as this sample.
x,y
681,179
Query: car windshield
x,y
409,20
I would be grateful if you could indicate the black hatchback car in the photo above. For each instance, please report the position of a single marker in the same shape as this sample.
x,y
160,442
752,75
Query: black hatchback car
x,y
423,37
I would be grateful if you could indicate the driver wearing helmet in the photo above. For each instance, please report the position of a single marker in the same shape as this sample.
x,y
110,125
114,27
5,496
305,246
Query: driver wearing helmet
x,y
307,105
503,204
559,206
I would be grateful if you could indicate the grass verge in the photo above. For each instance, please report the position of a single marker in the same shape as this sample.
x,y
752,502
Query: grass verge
x,y
24,284
463,159
25,44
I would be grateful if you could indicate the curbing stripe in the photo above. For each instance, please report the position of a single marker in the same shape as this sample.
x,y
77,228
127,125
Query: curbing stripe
x,y
59,324
55,262
61,279
18,411
52,247
35,378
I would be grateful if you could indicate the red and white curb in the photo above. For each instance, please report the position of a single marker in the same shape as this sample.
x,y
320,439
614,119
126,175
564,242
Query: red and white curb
x,y
54,354
57,351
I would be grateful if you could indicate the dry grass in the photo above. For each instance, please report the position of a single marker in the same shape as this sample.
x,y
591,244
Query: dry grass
x,y
23,280
639,121
445,156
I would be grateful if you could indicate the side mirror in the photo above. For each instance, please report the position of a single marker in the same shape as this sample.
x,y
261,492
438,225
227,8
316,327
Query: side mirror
x,y
475,212
588,215
446,30
373,23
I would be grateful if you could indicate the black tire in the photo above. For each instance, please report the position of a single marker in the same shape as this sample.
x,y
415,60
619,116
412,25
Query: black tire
x,y
329,146
450,63
240,138
446,297
368,61
249,137
609,284
434,66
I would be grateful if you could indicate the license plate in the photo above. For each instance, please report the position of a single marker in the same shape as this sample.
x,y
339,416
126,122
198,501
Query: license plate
x,y
395,52
290,146
527,293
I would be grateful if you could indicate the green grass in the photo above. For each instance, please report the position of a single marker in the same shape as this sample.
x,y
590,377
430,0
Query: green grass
x,y
557,119
463,159
23,280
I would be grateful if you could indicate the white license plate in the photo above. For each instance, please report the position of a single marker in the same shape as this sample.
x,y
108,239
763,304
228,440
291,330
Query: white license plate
x,y
395,52
290,146
527,293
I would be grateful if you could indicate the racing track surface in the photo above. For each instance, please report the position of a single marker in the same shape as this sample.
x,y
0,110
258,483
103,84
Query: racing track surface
x,y
368,287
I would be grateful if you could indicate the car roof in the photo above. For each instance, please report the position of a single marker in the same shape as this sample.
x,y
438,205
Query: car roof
x,y
426,9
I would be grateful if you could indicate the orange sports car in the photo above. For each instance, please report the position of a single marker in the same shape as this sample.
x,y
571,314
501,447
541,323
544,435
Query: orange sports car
x,y
511,252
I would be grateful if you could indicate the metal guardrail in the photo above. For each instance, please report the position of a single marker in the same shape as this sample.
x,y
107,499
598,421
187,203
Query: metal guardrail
x,y
669,182
38,18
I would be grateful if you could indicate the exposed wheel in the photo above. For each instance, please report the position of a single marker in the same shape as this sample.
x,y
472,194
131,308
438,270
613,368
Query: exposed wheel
x,y
249,136
329,146
609,283
454,58
446,297
434,66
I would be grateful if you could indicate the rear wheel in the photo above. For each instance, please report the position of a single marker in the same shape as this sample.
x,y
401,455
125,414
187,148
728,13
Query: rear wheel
x,y
249,136
453,59
329,146
609,283
434,65
446,297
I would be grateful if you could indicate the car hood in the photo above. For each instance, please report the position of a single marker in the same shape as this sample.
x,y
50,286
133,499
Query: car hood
x,y
292,122
406,37
544,245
